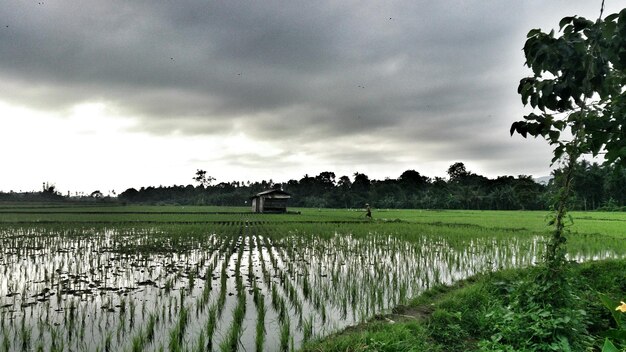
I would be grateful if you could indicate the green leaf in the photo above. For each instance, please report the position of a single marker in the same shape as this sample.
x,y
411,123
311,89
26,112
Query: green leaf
x,y
564,344
554,136
546,90
609,29
558,124
612,17
558,152
525,89
610,304
534,100
565,21
533,32
609,346
581,23
520,127
619,335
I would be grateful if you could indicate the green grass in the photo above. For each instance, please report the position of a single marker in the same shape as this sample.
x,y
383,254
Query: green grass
x,y
605,223
379,336
460,317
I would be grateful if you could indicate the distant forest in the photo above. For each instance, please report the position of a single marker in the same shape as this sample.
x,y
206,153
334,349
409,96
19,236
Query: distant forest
x,y
595,187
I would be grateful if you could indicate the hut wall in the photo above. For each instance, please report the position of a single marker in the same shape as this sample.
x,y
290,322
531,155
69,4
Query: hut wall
x,y
278,205
255,208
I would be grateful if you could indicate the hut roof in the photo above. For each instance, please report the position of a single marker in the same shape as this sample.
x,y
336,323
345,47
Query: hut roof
x,y
272,192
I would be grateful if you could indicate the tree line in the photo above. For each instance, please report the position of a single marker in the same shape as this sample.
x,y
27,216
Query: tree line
x,y
595,187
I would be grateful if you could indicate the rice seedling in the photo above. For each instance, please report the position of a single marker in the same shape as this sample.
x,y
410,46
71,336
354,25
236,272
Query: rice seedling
x,y
138,343
307,329
25,337
211,325
260,324
284,335
201,344
150,328
232,337
178,331
6,342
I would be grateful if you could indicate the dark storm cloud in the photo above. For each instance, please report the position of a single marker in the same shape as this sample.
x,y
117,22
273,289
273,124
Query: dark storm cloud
x,y
411,73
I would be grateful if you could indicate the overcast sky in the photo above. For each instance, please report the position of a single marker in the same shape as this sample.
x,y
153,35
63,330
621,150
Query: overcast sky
x,y
115,94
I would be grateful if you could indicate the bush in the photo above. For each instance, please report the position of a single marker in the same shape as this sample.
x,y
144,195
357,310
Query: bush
x,y
379,337
506,311
445,328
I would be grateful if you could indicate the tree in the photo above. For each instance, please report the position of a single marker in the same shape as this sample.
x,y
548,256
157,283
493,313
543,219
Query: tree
x,y
49,188
344,184
579,106
360,189
588,184
457,171
202,178
361,182
412,180
326,180
615,185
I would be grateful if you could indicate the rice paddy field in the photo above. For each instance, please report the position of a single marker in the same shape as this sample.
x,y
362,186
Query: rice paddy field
x,y
142,278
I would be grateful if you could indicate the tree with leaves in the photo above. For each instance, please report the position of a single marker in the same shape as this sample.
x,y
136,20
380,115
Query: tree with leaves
x,y
202,178
457,172
49,188
578,100
579,106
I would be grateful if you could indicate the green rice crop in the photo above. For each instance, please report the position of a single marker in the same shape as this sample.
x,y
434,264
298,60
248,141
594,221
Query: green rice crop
x,y
197,278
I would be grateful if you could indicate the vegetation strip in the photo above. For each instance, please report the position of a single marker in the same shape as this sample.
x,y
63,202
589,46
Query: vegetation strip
x,y
465,316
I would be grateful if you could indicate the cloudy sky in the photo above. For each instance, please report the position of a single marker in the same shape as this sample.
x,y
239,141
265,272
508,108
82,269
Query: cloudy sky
x,y
115,94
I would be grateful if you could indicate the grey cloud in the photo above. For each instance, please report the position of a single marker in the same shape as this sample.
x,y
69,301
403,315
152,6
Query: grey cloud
x,y
414,73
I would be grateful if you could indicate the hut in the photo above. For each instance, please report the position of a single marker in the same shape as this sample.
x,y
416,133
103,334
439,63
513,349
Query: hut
x,y
272,201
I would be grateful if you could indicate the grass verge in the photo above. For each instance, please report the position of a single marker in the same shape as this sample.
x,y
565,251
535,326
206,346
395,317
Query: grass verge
x,y
489,313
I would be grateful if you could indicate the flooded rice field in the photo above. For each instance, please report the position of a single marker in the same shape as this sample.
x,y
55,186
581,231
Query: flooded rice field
x,y
237,285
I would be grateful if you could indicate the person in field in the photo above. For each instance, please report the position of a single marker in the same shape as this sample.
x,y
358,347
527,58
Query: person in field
x,y
368,211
